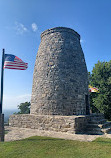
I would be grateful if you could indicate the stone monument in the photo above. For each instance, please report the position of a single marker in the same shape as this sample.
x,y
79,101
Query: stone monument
x,y
60,79
59,99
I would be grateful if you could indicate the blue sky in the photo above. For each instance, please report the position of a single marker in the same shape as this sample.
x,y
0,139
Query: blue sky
x,y
22,21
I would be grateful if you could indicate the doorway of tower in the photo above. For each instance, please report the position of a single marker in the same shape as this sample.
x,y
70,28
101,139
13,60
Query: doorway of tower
x,y
87,105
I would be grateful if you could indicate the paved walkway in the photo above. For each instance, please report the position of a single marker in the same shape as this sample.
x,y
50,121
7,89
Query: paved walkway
x,y
15,133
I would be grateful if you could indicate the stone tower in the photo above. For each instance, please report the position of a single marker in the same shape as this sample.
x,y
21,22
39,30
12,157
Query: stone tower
x,y
60,79
60,89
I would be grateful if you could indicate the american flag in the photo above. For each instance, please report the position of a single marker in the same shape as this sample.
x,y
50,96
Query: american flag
x,y
13,62
93,89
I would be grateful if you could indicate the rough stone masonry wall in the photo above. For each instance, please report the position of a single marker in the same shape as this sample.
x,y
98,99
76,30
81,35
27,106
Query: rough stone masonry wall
x,y
70,124
60,80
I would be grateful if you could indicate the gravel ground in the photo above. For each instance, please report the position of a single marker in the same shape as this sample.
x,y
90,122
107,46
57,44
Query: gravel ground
x,y
15,133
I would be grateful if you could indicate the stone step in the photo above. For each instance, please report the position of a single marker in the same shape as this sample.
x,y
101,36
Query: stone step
x,y
96,118
102,121
97,129
94,132
106,130
95,125
93,129
98,125
106,125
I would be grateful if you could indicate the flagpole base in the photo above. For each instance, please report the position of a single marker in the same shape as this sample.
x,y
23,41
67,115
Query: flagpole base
x,y
1,127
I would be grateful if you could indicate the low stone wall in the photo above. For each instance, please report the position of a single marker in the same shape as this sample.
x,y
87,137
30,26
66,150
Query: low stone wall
x,y
70,124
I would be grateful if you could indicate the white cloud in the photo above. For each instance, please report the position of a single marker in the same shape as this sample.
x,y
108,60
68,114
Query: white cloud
x,y
34,27
11,102
20,28
82,41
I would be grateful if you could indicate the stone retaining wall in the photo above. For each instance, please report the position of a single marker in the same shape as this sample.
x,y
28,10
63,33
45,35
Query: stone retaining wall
x,y
70,124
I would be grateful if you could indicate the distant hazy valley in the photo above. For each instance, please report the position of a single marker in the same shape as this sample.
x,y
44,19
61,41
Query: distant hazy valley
x,y
7,113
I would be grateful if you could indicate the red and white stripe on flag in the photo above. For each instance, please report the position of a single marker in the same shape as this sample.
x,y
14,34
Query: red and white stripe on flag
x,y
13,62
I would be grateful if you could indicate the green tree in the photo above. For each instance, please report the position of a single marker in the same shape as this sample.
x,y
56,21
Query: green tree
x,y
24,108
101,78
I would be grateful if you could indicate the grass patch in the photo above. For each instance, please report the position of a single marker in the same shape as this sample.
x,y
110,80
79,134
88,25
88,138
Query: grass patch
x,y
44,147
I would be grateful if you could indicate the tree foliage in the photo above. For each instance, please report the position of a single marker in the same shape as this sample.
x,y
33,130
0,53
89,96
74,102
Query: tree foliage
x,y
101,78
24,108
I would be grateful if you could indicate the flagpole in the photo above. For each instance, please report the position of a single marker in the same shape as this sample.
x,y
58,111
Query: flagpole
x,y
1,99
2,75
